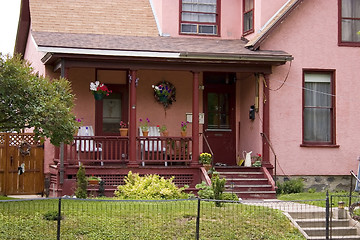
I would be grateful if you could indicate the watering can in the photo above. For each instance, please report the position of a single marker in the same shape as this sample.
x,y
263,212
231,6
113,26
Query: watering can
x,y
247,156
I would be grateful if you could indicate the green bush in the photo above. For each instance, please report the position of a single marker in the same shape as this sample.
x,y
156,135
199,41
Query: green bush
x,y
149,187
290,186
81,183
206,191
51,215
230,196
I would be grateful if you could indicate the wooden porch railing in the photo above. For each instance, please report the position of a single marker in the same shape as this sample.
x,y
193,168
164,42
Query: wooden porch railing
x,y
164,150
101,150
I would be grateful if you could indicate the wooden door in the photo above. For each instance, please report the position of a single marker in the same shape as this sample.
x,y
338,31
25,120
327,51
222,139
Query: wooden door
x,y
21,164
219,109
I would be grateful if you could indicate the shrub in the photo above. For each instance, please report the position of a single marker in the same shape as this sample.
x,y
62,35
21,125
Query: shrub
x,y
230,196
81,183
149,187
206,191
290,186
51,215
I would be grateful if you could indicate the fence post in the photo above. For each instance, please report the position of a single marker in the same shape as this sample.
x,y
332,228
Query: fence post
x,y
59,220
198,221
327,215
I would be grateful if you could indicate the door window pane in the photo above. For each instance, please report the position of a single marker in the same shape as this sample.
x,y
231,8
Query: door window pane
x,y
112,113
218,111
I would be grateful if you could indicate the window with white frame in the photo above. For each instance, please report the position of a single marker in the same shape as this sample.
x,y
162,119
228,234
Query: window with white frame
x,y
199,17
349,14
248,16
318,107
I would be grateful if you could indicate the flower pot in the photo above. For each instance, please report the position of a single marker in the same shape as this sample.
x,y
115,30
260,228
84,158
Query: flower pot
x,y
183,133
93,182
98,96
165,133
145,133
124,132
207,167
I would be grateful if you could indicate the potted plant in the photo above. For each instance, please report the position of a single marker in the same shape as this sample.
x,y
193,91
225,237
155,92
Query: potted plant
x,y
205,159
92,180
144,125
183,128
99,90
123,129
163,130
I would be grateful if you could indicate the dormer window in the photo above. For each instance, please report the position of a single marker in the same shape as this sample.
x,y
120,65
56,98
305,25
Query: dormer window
x,y
349,14
248,16
200,17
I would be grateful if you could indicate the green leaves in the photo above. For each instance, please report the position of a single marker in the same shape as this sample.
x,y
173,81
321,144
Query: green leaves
x,y
31,101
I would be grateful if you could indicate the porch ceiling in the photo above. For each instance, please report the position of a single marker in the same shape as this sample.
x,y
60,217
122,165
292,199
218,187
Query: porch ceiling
x,y
148,52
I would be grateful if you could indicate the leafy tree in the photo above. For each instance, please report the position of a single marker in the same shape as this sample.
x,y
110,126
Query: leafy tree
x,y
31,101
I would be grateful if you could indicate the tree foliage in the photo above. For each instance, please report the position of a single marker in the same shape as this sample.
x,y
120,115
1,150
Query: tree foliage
x,y
31,101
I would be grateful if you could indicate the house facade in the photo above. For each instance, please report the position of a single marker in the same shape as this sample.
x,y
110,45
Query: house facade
x,y
268,77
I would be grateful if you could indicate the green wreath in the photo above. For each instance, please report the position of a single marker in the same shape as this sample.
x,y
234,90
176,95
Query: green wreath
x,y
164,93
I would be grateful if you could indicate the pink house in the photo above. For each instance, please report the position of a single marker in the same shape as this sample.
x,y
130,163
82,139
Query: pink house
x,y
273,77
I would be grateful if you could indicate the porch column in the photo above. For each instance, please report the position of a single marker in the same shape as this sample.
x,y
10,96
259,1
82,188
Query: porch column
x,y
132,120
64,74
195,120
266,124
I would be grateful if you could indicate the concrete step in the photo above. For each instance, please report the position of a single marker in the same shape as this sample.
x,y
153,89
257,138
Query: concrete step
x,y
320,222
350,237
307,215
335,231
255,194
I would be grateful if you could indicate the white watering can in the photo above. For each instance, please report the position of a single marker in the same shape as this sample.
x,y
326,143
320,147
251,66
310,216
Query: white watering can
x,y
247,156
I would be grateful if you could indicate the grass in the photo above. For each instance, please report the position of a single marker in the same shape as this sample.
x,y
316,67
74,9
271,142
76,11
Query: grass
x,y
5,198
141,220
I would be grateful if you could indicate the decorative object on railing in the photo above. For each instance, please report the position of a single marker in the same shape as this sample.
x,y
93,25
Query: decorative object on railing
x,y
144,125
164,93
163,130
205,159
24,148
183,128
123,129
93,180
99,90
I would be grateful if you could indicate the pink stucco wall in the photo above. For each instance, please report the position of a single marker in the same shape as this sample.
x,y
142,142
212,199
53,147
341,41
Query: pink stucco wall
x,y
310,35
167,12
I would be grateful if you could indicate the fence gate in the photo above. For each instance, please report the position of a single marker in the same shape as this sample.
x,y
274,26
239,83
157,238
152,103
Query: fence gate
x,y
21,164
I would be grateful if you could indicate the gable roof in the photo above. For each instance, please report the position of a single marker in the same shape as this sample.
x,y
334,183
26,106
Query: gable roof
x,y
271,25
115,17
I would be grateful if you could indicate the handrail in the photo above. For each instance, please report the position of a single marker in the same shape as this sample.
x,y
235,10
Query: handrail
x,y
208,145
352,174
272,150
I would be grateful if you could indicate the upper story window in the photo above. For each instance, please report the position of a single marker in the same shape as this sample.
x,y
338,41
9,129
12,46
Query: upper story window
x,y
248,16
349,14
199,17
318,108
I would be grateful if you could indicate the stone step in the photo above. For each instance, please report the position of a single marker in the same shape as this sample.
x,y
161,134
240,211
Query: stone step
x,y
307,215
350,237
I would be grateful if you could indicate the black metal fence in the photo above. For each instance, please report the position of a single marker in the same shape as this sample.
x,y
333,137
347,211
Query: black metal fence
x,y
68,218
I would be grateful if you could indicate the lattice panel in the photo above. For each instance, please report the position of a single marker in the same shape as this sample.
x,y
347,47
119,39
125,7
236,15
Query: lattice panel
x,y
16,139
2,139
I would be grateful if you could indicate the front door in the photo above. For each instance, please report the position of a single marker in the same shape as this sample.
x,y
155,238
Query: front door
x,y
219,109
111,111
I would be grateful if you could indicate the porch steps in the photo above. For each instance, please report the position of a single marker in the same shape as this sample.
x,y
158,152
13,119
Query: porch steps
x,y
312,224
247,182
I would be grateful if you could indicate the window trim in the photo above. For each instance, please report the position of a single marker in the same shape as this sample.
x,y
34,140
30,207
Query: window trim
x,y
333,109
217,23
243,18
340,42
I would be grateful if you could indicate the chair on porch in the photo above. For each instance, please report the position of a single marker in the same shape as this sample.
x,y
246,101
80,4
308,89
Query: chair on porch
x,y
88,145
149,147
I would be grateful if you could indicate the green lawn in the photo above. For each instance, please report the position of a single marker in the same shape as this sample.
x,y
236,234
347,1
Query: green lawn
x,y
142,220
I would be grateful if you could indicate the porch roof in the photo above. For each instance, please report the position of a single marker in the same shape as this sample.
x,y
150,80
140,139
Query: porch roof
x,y
199,49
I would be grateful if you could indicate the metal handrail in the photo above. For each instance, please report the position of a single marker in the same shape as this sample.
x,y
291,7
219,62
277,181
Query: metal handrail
x,y
272,150
352,174
208,145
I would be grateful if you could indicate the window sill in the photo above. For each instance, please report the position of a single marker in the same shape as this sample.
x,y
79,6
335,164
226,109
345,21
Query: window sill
x,y
319,145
